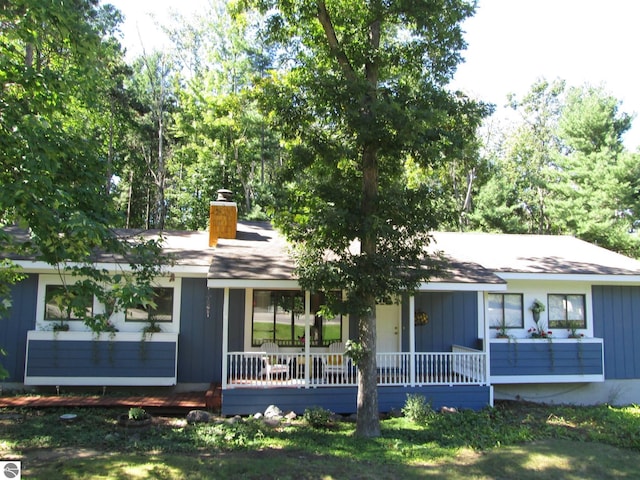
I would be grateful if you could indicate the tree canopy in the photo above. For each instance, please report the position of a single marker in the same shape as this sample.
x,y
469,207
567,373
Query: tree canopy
x,y
360,93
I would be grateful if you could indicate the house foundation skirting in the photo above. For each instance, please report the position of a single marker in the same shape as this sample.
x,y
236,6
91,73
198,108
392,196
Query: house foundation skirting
x,y
342,400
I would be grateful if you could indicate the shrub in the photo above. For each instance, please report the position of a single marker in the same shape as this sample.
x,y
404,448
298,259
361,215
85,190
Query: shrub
x,y
137,413
318,417
417,409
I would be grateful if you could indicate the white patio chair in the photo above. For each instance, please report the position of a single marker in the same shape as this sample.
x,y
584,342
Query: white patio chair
x,y
335,364
275,363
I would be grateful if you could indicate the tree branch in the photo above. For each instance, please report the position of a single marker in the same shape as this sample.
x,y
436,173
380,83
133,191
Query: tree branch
x,y
334,45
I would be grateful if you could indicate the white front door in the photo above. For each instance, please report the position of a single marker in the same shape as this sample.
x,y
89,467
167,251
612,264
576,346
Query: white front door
x,y
388,328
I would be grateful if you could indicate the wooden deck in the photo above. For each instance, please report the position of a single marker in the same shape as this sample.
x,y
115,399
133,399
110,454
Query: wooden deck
x,y
174,403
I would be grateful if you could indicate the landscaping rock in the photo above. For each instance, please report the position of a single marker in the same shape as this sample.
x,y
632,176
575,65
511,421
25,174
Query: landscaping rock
x,y
235,419
448,410
198,416
272,413
258,416
291,416
395,413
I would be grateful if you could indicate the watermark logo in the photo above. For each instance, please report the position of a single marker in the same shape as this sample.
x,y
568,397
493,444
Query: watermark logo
x,y
10,470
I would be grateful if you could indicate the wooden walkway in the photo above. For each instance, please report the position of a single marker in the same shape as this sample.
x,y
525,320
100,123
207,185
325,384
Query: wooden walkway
x,y
176,402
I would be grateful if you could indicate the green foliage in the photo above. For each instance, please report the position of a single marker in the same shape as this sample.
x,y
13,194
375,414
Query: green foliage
x,y
417,409
563,170
137,414
354,350
318,417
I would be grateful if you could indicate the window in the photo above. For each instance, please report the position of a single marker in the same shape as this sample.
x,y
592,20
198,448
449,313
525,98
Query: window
x,y
162,312
567,310
505,310
278,316
64,304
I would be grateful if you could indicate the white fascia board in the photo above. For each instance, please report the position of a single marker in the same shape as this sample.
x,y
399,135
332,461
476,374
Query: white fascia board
x,y
30,266
102,381
462,287
222,283
520,379
590,278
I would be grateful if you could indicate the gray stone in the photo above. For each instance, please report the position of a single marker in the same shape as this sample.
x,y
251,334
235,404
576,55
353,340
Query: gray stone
x,y
273,412
291,416
198,416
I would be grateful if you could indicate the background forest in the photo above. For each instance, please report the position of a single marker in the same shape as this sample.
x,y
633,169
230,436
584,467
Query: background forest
x,y
87,135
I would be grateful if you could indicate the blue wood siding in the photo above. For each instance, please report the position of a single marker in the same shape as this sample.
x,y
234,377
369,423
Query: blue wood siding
x,y
56,358
243,401
453,320
545,358
14,328
200,340
616,318
236,320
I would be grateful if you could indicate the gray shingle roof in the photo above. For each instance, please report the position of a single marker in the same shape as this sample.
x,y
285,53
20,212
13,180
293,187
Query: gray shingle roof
x,y
257,253
548,254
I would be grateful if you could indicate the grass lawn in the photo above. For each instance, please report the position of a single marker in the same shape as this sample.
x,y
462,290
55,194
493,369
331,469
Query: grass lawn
x,y
512,440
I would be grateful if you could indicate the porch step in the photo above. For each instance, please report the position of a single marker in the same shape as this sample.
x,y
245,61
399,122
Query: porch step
x,y
213,397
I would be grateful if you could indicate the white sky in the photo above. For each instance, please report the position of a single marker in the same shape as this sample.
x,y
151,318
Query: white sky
x,y
511,43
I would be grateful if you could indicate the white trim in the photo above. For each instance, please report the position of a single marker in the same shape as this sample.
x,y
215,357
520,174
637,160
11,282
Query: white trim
x,y
412,339
225,336
262,284
103,337
590,278
462,287
518,379
33,266
102,381
117,319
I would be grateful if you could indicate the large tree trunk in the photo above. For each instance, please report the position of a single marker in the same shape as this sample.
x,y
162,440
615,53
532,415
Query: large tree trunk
x,y
368,422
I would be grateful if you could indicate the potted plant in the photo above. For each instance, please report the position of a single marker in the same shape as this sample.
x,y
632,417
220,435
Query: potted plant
x,y
536,308
501,329
573,327
136,417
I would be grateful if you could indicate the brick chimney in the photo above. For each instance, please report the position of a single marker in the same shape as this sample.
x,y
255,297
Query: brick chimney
x,y
223,217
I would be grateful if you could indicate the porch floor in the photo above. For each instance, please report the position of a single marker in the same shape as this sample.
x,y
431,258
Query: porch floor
x,y
167,403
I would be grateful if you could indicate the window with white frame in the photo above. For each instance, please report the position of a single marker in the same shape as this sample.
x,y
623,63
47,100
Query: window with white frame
x,y
64,304
505,310
567,310
161,312
278,316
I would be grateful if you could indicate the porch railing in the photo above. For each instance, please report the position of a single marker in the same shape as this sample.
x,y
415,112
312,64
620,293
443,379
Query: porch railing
x,y
284,369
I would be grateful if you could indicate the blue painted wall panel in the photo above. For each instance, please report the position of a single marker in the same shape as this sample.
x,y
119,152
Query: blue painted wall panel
x,y
236,320
200,340
453,320
342,400
546,358
14,328
56,358
616,317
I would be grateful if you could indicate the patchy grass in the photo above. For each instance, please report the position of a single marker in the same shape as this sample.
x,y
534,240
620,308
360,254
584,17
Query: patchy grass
x,y
512,440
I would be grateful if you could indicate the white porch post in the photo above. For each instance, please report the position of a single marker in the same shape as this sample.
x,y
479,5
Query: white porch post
x,y
307,338
225,336
412,340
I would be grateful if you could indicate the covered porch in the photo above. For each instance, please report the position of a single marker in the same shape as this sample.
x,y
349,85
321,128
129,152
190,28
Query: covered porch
x,y
461,366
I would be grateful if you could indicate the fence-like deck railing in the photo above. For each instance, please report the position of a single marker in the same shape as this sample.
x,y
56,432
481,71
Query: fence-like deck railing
x,y
462,366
